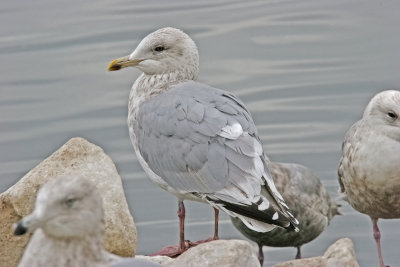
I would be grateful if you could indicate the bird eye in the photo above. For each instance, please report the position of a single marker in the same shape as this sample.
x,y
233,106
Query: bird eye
x,y
159,48
69,202
392,115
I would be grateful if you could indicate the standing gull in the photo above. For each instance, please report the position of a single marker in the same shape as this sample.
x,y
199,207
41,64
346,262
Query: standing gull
x,y
369,170
195,141
308,199
68,226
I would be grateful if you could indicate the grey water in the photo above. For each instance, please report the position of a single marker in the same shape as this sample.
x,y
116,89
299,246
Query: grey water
x,y
305,69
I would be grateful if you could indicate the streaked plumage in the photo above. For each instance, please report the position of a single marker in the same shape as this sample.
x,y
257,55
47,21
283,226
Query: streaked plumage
x,y
369,170
195,141
309,201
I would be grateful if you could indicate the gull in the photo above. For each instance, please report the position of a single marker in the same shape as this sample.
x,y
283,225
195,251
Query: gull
x,y
309,201
369,170
68,227
195,141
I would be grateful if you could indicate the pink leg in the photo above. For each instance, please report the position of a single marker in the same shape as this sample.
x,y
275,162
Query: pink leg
x,y
216,213
215,237
181,215
298,255
377,236
260,254
174,251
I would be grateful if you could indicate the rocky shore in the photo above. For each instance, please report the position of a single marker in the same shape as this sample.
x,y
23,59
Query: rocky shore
x,y
120,235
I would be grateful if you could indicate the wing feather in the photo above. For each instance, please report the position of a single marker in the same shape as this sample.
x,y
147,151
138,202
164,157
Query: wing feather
x,y
203,141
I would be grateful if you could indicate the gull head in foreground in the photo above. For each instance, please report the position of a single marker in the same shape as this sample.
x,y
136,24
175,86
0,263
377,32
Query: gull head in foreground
x,y
73,212
369,170
68,227
195,141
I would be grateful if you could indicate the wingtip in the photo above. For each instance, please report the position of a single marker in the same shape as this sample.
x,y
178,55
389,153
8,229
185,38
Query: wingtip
x,y
293,222
294,226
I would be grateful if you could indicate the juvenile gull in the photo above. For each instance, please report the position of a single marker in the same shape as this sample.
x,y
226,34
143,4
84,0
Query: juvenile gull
x,y
68,226
195,141
369,170
309,201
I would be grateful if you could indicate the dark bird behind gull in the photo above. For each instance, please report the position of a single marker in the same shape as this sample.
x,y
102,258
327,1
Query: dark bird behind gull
x,y
309,201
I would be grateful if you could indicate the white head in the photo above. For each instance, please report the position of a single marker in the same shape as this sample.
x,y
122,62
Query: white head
x,y
384,111
66,207
164,51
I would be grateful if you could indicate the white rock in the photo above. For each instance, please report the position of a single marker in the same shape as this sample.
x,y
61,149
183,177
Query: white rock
x,y
163,260
227,253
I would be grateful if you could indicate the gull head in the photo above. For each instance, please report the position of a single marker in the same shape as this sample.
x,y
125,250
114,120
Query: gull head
x,y
384,110
65,207
164,51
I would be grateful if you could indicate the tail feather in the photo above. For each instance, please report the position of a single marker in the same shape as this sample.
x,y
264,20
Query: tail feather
x,y
273,195
254,218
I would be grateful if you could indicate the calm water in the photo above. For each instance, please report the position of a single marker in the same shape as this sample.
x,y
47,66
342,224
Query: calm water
x,y
305,69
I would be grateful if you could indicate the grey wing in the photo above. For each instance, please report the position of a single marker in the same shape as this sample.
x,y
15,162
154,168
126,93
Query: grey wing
x,y
202,141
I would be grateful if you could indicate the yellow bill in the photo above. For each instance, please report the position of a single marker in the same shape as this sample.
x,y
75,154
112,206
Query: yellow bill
x,y
122,62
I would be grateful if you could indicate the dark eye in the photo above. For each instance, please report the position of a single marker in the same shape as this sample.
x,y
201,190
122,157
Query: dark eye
x,y
392,115
69,202
159,48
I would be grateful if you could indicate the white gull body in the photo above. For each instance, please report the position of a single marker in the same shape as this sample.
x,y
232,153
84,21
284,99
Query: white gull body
x,y
195,141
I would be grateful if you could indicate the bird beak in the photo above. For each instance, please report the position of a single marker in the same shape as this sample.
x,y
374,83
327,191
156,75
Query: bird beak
x,y
27,224
123,62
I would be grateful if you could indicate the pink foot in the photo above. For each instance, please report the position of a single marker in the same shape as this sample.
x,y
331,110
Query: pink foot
x,y
175,250
192,244
172,251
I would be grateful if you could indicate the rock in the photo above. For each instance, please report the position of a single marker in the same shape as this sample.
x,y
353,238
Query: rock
x,y
227,253
341,253
77,155
309,262
163,260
